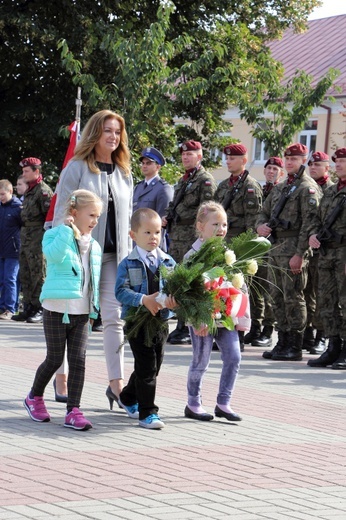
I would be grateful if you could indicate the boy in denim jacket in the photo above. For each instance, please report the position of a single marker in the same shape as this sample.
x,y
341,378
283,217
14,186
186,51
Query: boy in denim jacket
x,y
138,283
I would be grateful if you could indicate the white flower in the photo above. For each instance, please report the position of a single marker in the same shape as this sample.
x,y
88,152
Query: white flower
x,y
251,267
238,280
230,257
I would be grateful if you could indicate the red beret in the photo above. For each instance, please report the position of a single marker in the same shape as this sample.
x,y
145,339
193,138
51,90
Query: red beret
x,y
338,154
30,161
190,145
277,161
319,157
296,149
235,149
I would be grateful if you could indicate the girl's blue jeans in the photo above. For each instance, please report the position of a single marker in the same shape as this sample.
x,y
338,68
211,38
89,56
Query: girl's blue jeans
x,y
228,343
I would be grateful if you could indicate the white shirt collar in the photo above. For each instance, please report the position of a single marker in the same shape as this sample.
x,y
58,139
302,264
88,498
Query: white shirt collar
x,y
143,254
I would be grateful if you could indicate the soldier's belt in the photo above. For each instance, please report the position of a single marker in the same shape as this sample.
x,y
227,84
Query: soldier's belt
x,y
186,222
236,230
287,233
333,245
33,224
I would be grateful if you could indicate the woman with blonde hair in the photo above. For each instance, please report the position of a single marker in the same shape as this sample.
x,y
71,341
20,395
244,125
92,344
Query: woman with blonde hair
x,y
101,164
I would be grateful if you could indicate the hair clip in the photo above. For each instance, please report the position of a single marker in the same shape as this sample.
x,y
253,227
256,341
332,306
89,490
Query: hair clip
x,y
73,200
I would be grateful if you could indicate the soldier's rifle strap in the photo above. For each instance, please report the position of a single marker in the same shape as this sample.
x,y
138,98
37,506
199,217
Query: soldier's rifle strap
x,y
325,233
235,188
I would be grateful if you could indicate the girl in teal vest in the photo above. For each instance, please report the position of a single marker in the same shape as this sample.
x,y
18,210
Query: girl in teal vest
x,y
69,299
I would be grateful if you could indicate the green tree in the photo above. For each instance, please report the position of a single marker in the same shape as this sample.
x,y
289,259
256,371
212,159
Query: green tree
x,y
150,60
290,106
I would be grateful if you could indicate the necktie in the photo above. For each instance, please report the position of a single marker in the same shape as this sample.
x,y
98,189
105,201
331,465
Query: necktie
x,y
151,261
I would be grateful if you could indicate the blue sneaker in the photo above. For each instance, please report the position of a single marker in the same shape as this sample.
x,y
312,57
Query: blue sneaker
x,y
152,422
132,411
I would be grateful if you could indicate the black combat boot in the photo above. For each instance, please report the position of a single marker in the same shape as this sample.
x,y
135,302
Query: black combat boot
x,y
293,351
265,338
320,343
330,355
241,334
308,338
36,316
253,334
24,315
180,335
279,347
340,363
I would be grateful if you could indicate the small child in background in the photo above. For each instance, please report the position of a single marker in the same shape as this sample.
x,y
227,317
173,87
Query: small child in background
x,y
21,187
10,224
70,297
211,221
138,282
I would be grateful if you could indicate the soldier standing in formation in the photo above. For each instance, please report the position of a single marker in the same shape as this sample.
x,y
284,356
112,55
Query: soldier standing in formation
x,y
241,197
31,261
318,170
328,233
153,192
194,187
261,301
298,199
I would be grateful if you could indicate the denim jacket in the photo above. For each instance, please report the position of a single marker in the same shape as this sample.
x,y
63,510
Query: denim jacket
x,y
132,281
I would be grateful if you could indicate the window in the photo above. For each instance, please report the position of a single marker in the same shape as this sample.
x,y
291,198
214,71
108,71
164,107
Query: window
x,y
260,154
308,135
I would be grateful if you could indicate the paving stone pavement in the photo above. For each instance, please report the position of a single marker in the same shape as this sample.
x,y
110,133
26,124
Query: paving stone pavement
x,y
285,460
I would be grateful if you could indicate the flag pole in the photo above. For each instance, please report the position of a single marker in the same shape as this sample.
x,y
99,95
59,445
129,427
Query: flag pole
x,y
78,110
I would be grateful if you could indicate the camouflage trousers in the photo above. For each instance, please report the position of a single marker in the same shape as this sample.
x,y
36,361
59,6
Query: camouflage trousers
x,y
32,272
181,239
261,303
287,292
312,302
332,292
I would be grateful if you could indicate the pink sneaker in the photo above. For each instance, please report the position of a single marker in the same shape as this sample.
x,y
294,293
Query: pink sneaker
x,y
36,409
76,420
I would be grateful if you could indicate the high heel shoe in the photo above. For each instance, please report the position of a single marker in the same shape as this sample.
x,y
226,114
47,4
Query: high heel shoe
x,y
59,397
111,398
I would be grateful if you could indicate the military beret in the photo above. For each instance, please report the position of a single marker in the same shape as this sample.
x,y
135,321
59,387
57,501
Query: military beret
x,y
319,157
235,149
296,149
153,154
338,154
276,161
190,145
30,161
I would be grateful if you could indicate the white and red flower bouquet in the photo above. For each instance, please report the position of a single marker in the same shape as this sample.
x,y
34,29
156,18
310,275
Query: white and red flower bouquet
x,y
209,287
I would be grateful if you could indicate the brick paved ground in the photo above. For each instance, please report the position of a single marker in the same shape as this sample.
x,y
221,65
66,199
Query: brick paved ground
x,y
285,460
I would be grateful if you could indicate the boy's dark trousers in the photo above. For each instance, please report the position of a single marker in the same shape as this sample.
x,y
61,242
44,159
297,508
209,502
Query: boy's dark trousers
x,y
141,387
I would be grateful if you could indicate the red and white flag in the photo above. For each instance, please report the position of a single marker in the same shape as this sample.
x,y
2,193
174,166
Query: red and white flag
x,y
74,137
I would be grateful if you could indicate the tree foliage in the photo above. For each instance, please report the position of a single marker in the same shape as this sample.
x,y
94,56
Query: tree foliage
x,y
289,106
149,60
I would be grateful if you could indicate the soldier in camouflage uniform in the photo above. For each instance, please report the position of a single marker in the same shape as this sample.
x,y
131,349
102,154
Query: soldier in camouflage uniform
x,y
241,213
332,266
31,262
196,186
318,170
260,294
288,258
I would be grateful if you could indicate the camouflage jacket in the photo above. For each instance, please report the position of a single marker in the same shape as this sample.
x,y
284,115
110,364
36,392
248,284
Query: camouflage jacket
x,y
330,200
300,209
36,205
200,188
245,206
